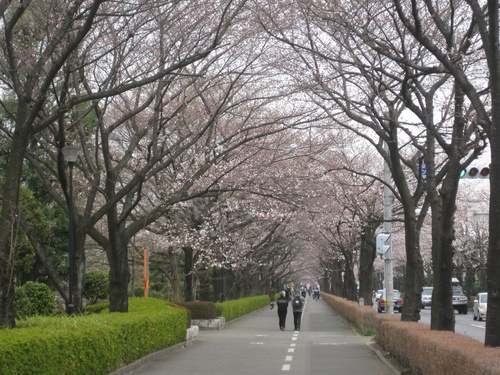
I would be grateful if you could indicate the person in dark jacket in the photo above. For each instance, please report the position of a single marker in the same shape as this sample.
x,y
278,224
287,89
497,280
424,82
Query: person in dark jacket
x,y
282,304
297,304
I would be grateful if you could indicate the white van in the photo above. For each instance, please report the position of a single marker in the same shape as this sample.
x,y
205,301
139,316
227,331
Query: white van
x,y
480,306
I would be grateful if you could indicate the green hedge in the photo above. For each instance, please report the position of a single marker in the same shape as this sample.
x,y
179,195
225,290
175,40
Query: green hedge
x,y
91,344
200,309
102,342
236,308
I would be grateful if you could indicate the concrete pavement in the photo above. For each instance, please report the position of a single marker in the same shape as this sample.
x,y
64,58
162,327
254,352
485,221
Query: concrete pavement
x,y
254,344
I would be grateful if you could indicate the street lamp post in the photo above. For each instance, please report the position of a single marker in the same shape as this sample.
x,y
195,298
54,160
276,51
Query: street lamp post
x,y
71,154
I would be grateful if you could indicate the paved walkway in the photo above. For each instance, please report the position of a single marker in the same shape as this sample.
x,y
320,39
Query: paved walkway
x,y
254,344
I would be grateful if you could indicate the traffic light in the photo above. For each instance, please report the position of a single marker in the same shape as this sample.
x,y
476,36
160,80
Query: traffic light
x,y
475,172
382,247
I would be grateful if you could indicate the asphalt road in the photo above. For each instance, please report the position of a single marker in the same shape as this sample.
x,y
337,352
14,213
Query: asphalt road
x,y
464,324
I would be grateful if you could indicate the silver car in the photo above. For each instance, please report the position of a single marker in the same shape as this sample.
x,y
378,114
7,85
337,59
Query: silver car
x,y
426,297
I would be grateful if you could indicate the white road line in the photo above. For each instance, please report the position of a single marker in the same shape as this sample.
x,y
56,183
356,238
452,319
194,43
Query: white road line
x,y
289,358
478,326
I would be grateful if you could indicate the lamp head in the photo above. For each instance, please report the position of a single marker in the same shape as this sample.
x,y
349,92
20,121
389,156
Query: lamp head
x,y
70,153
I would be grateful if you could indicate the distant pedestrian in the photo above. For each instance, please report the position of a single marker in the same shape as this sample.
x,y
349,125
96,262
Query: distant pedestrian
x,y
297,305
316,294
272,298
282,303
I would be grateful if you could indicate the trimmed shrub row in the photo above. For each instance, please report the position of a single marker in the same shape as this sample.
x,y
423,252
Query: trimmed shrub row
x,y
417,347
91,344
101,342
236,308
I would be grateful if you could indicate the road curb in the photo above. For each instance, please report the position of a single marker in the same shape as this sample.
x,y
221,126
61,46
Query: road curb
x,y
153,357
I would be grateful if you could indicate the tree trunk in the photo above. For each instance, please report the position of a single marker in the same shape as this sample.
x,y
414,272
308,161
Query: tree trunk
x,y
119,276
174,278
80,237
205,285
230,280
492,336
414,264
336,282
7,224
443,206
119,273
188,274
366,258
470,277
442,313
349,279
350,284
414,280
218,284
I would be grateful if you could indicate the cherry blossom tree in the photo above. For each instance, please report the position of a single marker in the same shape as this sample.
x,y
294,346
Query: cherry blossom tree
x,y
472,234
369,72
37,40
112,72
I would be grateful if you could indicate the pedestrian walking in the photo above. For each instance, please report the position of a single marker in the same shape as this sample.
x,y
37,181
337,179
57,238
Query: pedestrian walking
x,y
316,294
272,298
297,305
282,304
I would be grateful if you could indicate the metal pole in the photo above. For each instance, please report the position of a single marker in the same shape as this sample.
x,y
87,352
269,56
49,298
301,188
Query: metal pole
x,y
388,199
71,307
146,272
71,155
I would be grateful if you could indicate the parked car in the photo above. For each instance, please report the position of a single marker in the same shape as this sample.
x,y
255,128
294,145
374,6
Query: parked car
x,y
480,306
459,298
426,297
397,301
